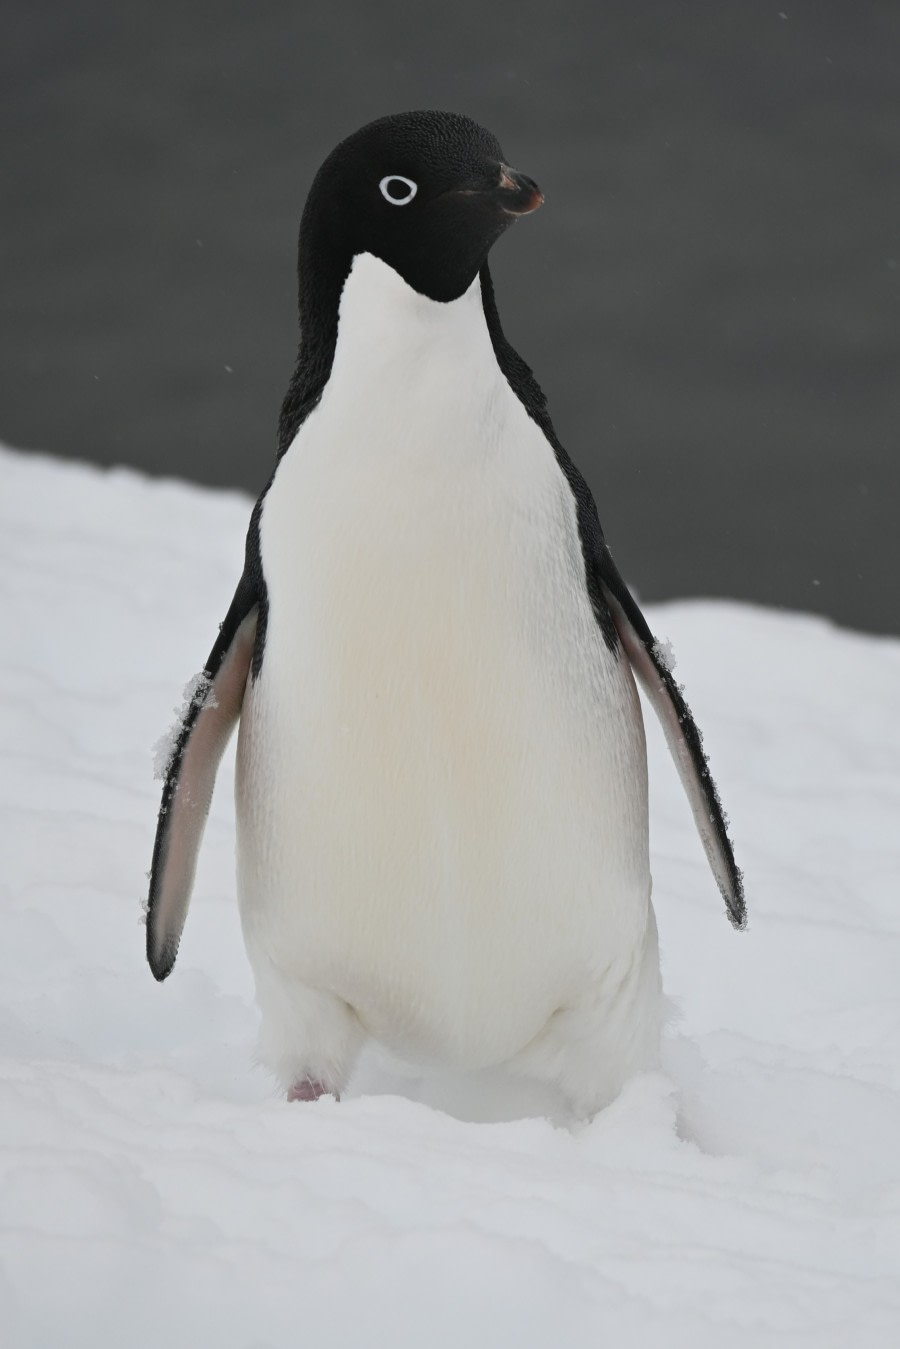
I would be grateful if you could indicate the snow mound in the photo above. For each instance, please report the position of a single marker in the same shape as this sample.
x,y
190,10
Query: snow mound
x,y
152,1190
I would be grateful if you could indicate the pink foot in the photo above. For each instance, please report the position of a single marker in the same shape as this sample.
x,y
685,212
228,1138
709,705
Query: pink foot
x,y
310,1089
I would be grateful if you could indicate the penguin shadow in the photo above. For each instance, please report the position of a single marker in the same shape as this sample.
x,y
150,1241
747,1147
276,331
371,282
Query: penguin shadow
x,y
488,1096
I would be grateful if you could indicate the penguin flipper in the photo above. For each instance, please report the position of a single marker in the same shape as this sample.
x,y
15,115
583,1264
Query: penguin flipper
x,y
682,734
213,707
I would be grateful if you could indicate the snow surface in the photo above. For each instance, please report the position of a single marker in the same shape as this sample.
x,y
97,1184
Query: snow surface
x,y
154,1192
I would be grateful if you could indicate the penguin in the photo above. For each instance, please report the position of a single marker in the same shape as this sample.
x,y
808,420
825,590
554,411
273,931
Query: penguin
x,y
441,783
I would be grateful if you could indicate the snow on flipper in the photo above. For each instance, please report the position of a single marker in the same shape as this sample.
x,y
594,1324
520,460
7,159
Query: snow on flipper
x,y
191,757
197,690
651,662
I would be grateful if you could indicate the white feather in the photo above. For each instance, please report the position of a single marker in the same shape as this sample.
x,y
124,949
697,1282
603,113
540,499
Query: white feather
x,y
442,798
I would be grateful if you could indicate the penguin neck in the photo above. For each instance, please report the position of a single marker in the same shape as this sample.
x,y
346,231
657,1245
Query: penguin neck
x,y
376,319
390,337
374,334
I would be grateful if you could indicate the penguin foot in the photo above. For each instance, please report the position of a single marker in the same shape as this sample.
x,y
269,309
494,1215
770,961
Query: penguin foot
x,y
310,1089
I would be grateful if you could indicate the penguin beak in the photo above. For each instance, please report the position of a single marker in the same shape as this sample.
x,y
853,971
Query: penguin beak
x,y
513,192
517,194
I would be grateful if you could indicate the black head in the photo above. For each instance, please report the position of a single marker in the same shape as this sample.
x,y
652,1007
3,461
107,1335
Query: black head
x,y
427,192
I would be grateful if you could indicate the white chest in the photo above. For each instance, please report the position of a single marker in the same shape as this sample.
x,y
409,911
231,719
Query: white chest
x,y
419,498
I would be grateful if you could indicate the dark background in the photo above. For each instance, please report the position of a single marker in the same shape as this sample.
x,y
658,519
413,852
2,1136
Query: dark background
x,y
709,296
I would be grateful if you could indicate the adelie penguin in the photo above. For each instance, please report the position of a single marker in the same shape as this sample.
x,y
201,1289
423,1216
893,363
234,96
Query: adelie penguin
x,y
442,836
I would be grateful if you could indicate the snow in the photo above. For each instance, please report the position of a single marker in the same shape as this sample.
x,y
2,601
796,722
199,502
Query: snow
x,y
153,1191
665,654
198,689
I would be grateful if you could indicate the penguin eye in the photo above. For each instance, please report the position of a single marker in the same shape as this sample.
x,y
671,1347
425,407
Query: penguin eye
x,y
396,189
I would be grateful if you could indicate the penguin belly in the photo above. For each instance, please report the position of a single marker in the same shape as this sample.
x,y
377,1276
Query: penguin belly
x,y
441,787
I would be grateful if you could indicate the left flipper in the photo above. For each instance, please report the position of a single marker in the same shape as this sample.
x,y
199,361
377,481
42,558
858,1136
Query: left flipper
x,y
681,732
212,710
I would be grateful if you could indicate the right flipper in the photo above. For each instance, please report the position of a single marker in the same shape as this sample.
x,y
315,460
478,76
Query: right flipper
x,y
681,732
212,711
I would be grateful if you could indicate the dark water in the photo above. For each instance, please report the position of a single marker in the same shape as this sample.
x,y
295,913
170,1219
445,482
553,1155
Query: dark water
x,y
711,295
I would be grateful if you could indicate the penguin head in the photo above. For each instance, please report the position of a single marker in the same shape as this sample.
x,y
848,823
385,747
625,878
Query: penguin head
x,y
428,193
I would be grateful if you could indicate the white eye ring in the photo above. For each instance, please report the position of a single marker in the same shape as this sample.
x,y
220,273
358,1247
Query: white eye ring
x,y
385,185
